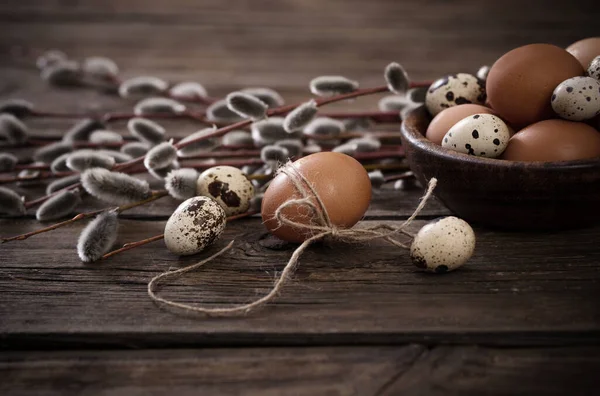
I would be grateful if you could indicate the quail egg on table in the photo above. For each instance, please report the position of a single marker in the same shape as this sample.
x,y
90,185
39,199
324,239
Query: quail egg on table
x,y
443,245
227,185
483,135
194,225
452,90
593,69
577,98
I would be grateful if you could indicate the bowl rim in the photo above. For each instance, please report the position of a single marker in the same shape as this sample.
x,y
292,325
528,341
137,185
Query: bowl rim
x,y
411,132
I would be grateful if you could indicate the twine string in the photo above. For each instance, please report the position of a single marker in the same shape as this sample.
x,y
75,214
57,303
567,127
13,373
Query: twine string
x,y
319,228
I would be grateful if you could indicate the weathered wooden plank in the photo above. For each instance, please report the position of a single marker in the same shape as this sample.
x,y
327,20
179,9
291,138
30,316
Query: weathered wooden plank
x,y
536,288
412,369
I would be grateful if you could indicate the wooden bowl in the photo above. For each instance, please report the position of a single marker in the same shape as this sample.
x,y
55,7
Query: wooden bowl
x,y
505,194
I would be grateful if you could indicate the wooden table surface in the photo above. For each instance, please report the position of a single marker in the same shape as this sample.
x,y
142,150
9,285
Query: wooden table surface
x,y
522,317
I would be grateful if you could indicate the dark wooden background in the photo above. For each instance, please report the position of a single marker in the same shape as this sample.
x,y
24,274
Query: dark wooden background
x,y
521,318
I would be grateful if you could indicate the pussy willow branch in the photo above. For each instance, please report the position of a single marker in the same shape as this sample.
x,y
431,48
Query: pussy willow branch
x,y
222,131
155,195
133,245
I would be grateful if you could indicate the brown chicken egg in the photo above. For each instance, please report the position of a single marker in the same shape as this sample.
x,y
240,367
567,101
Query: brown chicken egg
x,y
585,50
554,140
447,118
339,180
520,83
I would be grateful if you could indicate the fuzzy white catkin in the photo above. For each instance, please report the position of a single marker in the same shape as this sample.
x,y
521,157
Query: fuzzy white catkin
x,y
146,130
29,177
324,126
61,183
81,160
483,72
274,154
12,129
98,237
49,58
105,137
188,90
58,206
268,131
396,78
237,138
158,105
332,85
417,95
365,144
50,152
181,183
266,95
17,107
10,202
142,86
220,112
118,156
63,74
160,156
135,149
197,147
246,105
114,187
81,131
161,174
377,178
300,116
60,164
393,103
348,149
101,67
7,162
294,147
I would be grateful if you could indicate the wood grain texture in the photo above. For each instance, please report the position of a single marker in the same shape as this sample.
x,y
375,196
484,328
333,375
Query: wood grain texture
x,y
343,371
518,288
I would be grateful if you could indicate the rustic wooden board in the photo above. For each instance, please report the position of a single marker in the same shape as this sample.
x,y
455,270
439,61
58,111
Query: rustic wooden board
x,y
518,288
359,371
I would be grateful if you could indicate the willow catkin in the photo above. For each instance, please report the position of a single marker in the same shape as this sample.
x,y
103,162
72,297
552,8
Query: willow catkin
x,y
417,94
246,105
200,146
396,78
161,173
29,177
332,85
100,67
146,130
158,105
98,237
237,138
483,72
118,156
268,131
81,131
12,129
142,86
61,183
50,58
181,183
188,90
393,102
135,149
365,144
105,137
160,156
17,107
59,164
300,116
10,202
50,152
7,162
324,126
266,95
294,147
357,123
272,154
114,187
64,73
59,205
220,112
348,149
81,160
377,179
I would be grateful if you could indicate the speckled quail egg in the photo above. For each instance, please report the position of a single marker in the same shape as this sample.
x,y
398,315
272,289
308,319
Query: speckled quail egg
x,y
483,135
227,185
443,245
593,69
577,98
195,224
454,89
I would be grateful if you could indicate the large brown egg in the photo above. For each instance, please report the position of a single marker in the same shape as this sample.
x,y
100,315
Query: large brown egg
x,y
520,83
338,179
585,50
447,118
554,140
